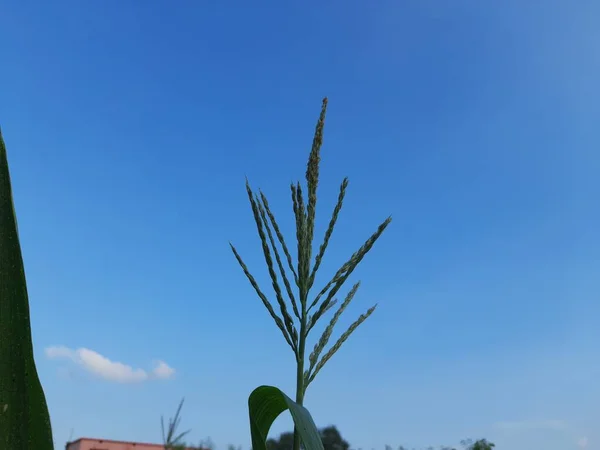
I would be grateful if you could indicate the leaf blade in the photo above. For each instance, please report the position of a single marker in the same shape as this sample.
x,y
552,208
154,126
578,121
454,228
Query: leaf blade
x,y
265,404
24,418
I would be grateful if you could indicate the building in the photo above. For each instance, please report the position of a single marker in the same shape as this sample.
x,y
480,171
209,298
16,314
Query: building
x,y
106,444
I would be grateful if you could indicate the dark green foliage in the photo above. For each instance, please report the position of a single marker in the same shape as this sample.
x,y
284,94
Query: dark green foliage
x,y
330,437
285,441
481,444
24,418
466,444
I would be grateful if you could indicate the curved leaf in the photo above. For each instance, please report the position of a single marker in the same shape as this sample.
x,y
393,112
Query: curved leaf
x,y
24,418
265,404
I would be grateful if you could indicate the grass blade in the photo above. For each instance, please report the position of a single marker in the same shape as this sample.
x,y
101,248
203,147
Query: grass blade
x,y
171,440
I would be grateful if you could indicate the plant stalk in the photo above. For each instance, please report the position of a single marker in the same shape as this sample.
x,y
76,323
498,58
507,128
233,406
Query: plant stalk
x,y
300,388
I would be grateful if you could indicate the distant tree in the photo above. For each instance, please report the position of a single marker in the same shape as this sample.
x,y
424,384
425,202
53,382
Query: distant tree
x,y
284,442
332,439
482,444
330,436
467,444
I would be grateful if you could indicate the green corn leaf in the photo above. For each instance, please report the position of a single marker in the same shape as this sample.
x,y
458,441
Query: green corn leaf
x,y
24,418
265,404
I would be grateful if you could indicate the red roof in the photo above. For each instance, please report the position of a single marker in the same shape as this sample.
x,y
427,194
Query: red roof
x,y
108,444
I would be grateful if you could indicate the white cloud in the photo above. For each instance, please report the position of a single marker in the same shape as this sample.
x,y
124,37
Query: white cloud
x,y
59,352
583,442
162,370
103,367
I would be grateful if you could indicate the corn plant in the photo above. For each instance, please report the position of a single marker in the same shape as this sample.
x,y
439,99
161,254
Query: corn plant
x,y
172,440
300,312
24,418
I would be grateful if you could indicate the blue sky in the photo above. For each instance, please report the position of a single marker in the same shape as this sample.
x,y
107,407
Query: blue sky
x,y
130,128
